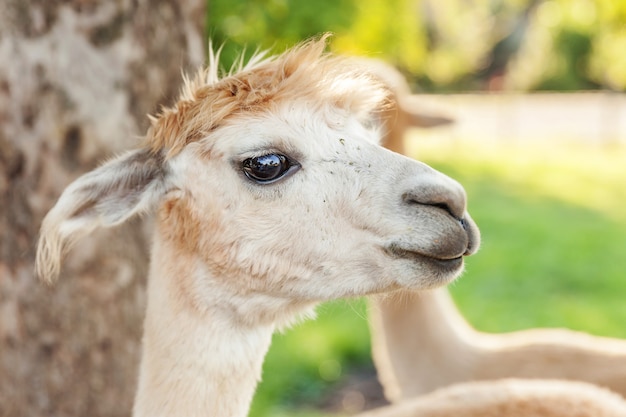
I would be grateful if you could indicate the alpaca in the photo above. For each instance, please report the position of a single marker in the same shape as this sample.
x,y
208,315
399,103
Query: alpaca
x,y
399,115
510,398
270,195
420,342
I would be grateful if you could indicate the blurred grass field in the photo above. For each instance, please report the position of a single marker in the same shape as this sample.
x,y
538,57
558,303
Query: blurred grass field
x,y
553,222
554,233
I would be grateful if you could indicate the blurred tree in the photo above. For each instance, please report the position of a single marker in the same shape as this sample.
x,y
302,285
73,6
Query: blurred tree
x,y
76,81
505,49
453,44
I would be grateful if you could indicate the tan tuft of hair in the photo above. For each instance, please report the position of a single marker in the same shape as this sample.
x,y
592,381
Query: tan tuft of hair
x,y
304,72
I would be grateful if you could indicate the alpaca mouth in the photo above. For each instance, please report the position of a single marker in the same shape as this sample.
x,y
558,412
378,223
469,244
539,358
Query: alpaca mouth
x,y
437,262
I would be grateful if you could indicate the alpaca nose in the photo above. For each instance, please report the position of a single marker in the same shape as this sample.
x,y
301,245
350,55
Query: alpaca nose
x,y
432,188
438,191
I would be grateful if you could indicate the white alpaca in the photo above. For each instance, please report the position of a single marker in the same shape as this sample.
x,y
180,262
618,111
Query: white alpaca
x,y
421,342
271,195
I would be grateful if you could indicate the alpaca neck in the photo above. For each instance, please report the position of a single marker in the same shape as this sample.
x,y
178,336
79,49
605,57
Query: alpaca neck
x,y
195,361
421,333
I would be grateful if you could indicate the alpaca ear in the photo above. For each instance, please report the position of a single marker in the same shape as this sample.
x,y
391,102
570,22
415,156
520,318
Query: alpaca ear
x,y
107,196
425,120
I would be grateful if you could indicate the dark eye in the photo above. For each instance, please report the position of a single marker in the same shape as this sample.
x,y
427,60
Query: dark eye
x,y
266,168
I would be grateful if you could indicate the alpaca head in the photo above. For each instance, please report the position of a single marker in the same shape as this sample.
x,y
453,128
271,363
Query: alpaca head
x,y
270,181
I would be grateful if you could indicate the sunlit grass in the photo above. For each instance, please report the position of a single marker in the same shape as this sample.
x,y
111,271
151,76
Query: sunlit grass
x,y
554,254
553,222
306,361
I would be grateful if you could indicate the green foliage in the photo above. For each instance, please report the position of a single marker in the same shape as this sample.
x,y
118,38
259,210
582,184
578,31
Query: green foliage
x,y
580,43
574,49
608,61
387,29
447,45
273,24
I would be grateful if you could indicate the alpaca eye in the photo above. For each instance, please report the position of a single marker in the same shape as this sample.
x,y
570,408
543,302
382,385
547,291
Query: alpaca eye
x,y
266,168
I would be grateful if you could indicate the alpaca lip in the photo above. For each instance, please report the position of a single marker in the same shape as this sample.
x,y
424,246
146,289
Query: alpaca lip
x,y
444,263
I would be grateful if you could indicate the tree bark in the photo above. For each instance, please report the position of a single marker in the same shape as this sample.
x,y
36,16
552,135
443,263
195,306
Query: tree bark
x,y
77,79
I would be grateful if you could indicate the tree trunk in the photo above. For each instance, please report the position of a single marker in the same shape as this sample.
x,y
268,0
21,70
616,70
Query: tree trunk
x,y
77,79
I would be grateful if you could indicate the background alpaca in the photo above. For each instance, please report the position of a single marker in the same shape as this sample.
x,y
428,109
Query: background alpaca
x,y
510,398
222,276
421,342
400,114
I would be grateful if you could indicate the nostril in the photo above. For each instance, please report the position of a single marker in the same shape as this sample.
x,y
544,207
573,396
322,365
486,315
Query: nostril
x,y
432,200
464,224
446,195
445,207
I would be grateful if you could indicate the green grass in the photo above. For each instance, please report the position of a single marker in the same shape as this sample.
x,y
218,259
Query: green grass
x,y
553,223
554,235
306,361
